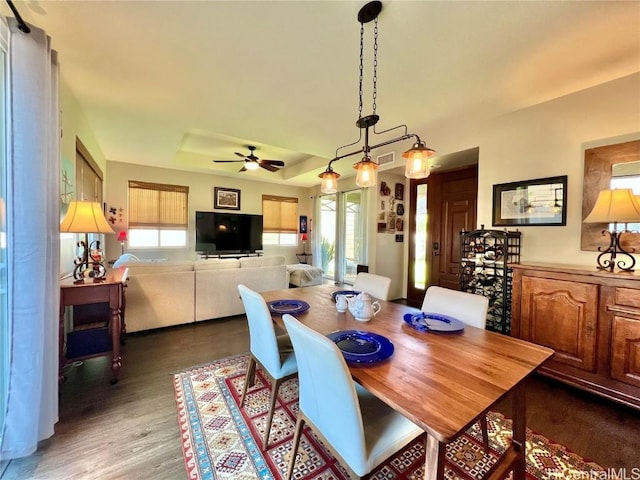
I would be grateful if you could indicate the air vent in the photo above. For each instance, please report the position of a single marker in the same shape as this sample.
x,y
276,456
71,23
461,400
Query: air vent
x,y
386,158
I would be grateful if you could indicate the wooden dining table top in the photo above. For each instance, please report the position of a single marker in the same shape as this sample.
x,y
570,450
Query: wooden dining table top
x,y
441,381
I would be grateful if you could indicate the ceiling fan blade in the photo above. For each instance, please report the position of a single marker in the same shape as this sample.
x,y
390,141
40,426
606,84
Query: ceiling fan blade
x,y
240,154
226,161
243,169
266,166
277,163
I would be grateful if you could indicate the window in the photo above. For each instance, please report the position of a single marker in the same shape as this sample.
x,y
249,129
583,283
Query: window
x,y
158,215
280,220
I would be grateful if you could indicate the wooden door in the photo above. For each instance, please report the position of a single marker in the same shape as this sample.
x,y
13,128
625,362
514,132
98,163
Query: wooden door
x,y
451,207
561,315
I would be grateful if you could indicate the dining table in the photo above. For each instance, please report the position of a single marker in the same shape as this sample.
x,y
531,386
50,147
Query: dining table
x,y
442,381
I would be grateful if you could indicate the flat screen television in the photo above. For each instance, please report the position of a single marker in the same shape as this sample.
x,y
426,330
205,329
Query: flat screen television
x,y
222,233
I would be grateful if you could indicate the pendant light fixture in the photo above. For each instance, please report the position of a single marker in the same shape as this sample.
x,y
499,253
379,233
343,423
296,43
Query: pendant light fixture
x,y
417,156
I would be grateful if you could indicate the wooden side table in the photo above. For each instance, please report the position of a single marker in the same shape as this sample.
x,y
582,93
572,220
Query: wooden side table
x,y
110,291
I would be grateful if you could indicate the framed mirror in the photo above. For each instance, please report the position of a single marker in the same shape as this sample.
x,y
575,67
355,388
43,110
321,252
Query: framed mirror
x,y
611,166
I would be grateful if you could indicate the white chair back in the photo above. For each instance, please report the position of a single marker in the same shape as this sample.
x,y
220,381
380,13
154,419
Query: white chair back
x,y
374,285
262,334
469,308
327,393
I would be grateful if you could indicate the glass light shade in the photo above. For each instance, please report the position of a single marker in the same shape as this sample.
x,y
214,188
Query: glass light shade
x,y
251,165
85,217
366,176
303,237
122,236
417,160
618,205
329,181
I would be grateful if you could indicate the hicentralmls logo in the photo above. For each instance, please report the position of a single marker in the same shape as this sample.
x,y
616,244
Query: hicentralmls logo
x,y
608,474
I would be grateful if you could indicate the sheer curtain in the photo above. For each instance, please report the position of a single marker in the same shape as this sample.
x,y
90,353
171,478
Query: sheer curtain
x,y
32,206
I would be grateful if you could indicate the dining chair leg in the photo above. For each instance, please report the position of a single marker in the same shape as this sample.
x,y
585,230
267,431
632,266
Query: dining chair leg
x,y
294,447
249,379
272,406
485,432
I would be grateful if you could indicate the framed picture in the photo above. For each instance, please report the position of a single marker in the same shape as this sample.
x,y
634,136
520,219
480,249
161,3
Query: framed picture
x,y
399,191
303,224
540,202
226,198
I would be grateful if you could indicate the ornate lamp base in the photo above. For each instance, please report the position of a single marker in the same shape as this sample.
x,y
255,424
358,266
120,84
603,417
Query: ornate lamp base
x,y
613,250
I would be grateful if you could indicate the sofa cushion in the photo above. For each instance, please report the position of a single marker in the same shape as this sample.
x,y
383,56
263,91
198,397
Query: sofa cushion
x,y
217,264
270,261
140,268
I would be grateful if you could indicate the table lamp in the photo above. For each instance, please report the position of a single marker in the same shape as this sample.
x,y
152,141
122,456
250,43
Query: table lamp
x,y
122,238
86,217
613,207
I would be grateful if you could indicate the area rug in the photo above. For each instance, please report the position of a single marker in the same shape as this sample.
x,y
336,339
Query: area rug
x,y
220,440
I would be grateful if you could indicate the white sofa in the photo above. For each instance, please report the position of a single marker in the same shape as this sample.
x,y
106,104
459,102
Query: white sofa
x,y
160,294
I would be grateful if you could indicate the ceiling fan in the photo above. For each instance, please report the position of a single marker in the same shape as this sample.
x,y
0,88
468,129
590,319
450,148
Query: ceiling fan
x,y
253,163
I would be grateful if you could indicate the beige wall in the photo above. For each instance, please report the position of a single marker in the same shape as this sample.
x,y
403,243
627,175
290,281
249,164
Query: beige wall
x,y
74,125
200,198
543,141
539,141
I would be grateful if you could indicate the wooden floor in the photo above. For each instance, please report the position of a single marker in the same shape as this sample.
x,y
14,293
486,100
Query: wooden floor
x,y
130,431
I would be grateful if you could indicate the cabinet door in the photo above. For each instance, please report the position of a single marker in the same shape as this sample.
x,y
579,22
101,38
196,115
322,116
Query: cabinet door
x,y
561,315
625,350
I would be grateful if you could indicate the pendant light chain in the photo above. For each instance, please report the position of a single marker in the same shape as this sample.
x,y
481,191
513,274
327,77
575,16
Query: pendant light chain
x,y
375,65
361,70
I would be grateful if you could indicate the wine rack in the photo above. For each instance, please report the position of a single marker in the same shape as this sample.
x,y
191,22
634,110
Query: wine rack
x,y
485,256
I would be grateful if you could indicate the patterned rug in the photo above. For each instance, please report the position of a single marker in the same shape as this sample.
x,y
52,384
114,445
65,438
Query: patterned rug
x,y
222,441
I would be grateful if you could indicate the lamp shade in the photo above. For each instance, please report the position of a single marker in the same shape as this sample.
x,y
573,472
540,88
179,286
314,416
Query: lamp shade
x,y
418,161
122,236
618,205
303,237
85,217
329,181
366,176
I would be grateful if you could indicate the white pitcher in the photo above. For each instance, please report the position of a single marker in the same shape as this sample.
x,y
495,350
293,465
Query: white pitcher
x,y
341,303
363,307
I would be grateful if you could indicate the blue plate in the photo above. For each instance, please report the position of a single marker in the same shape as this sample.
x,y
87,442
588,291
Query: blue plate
x,y
433,322
359,346
344,292
280,307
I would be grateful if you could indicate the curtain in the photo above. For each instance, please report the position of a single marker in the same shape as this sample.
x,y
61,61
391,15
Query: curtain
x,y
33,216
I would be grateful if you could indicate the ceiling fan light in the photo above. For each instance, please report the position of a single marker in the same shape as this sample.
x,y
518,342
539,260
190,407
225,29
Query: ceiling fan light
x,y
366,176
417,160
329,181
253,165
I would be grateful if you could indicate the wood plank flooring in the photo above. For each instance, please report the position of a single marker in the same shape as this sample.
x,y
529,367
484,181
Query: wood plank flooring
x,y
130,431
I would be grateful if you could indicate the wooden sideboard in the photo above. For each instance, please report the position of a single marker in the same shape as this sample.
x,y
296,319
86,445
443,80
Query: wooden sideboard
x,y
591,318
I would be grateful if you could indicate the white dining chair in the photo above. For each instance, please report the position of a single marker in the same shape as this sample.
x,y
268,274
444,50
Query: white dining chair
x,y
470,309
375,285
274,353
359,429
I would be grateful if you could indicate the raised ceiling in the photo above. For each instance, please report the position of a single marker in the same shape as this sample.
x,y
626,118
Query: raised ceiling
x,y
176,84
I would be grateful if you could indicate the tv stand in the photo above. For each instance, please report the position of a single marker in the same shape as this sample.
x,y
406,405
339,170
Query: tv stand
x,y
206,255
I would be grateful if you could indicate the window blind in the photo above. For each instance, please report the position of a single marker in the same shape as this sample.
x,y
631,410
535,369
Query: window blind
x,y
158,205
279,214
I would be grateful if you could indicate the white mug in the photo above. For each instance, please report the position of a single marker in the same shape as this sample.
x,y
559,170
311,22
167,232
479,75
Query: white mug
x,y
341,303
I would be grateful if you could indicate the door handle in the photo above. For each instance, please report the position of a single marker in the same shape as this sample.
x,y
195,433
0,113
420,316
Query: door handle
x,y
436,249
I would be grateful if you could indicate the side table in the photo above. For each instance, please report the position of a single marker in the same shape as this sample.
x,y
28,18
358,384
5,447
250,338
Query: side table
x,y
303,257
111,291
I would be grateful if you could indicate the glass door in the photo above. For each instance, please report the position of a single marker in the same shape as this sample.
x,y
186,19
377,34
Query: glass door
x,y
418,261
342,235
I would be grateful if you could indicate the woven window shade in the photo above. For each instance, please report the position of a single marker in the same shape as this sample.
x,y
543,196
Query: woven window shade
x,y
279,214
158,205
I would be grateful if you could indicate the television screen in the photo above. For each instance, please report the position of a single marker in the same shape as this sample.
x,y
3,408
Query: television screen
x,y
228,232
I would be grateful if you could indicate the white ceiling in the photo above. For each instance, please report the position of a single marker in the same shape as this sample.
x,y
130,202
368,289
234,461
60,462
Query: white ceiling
x,y
178,83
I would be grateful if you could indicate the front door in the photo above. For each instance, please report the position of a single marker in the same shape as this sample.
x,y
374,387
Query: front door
x,y
441,206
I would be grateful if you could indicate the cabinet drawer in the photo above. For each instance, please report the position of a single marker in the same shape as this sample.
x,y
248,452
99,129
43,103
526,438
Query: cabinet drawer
x,y
628,297
625,350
